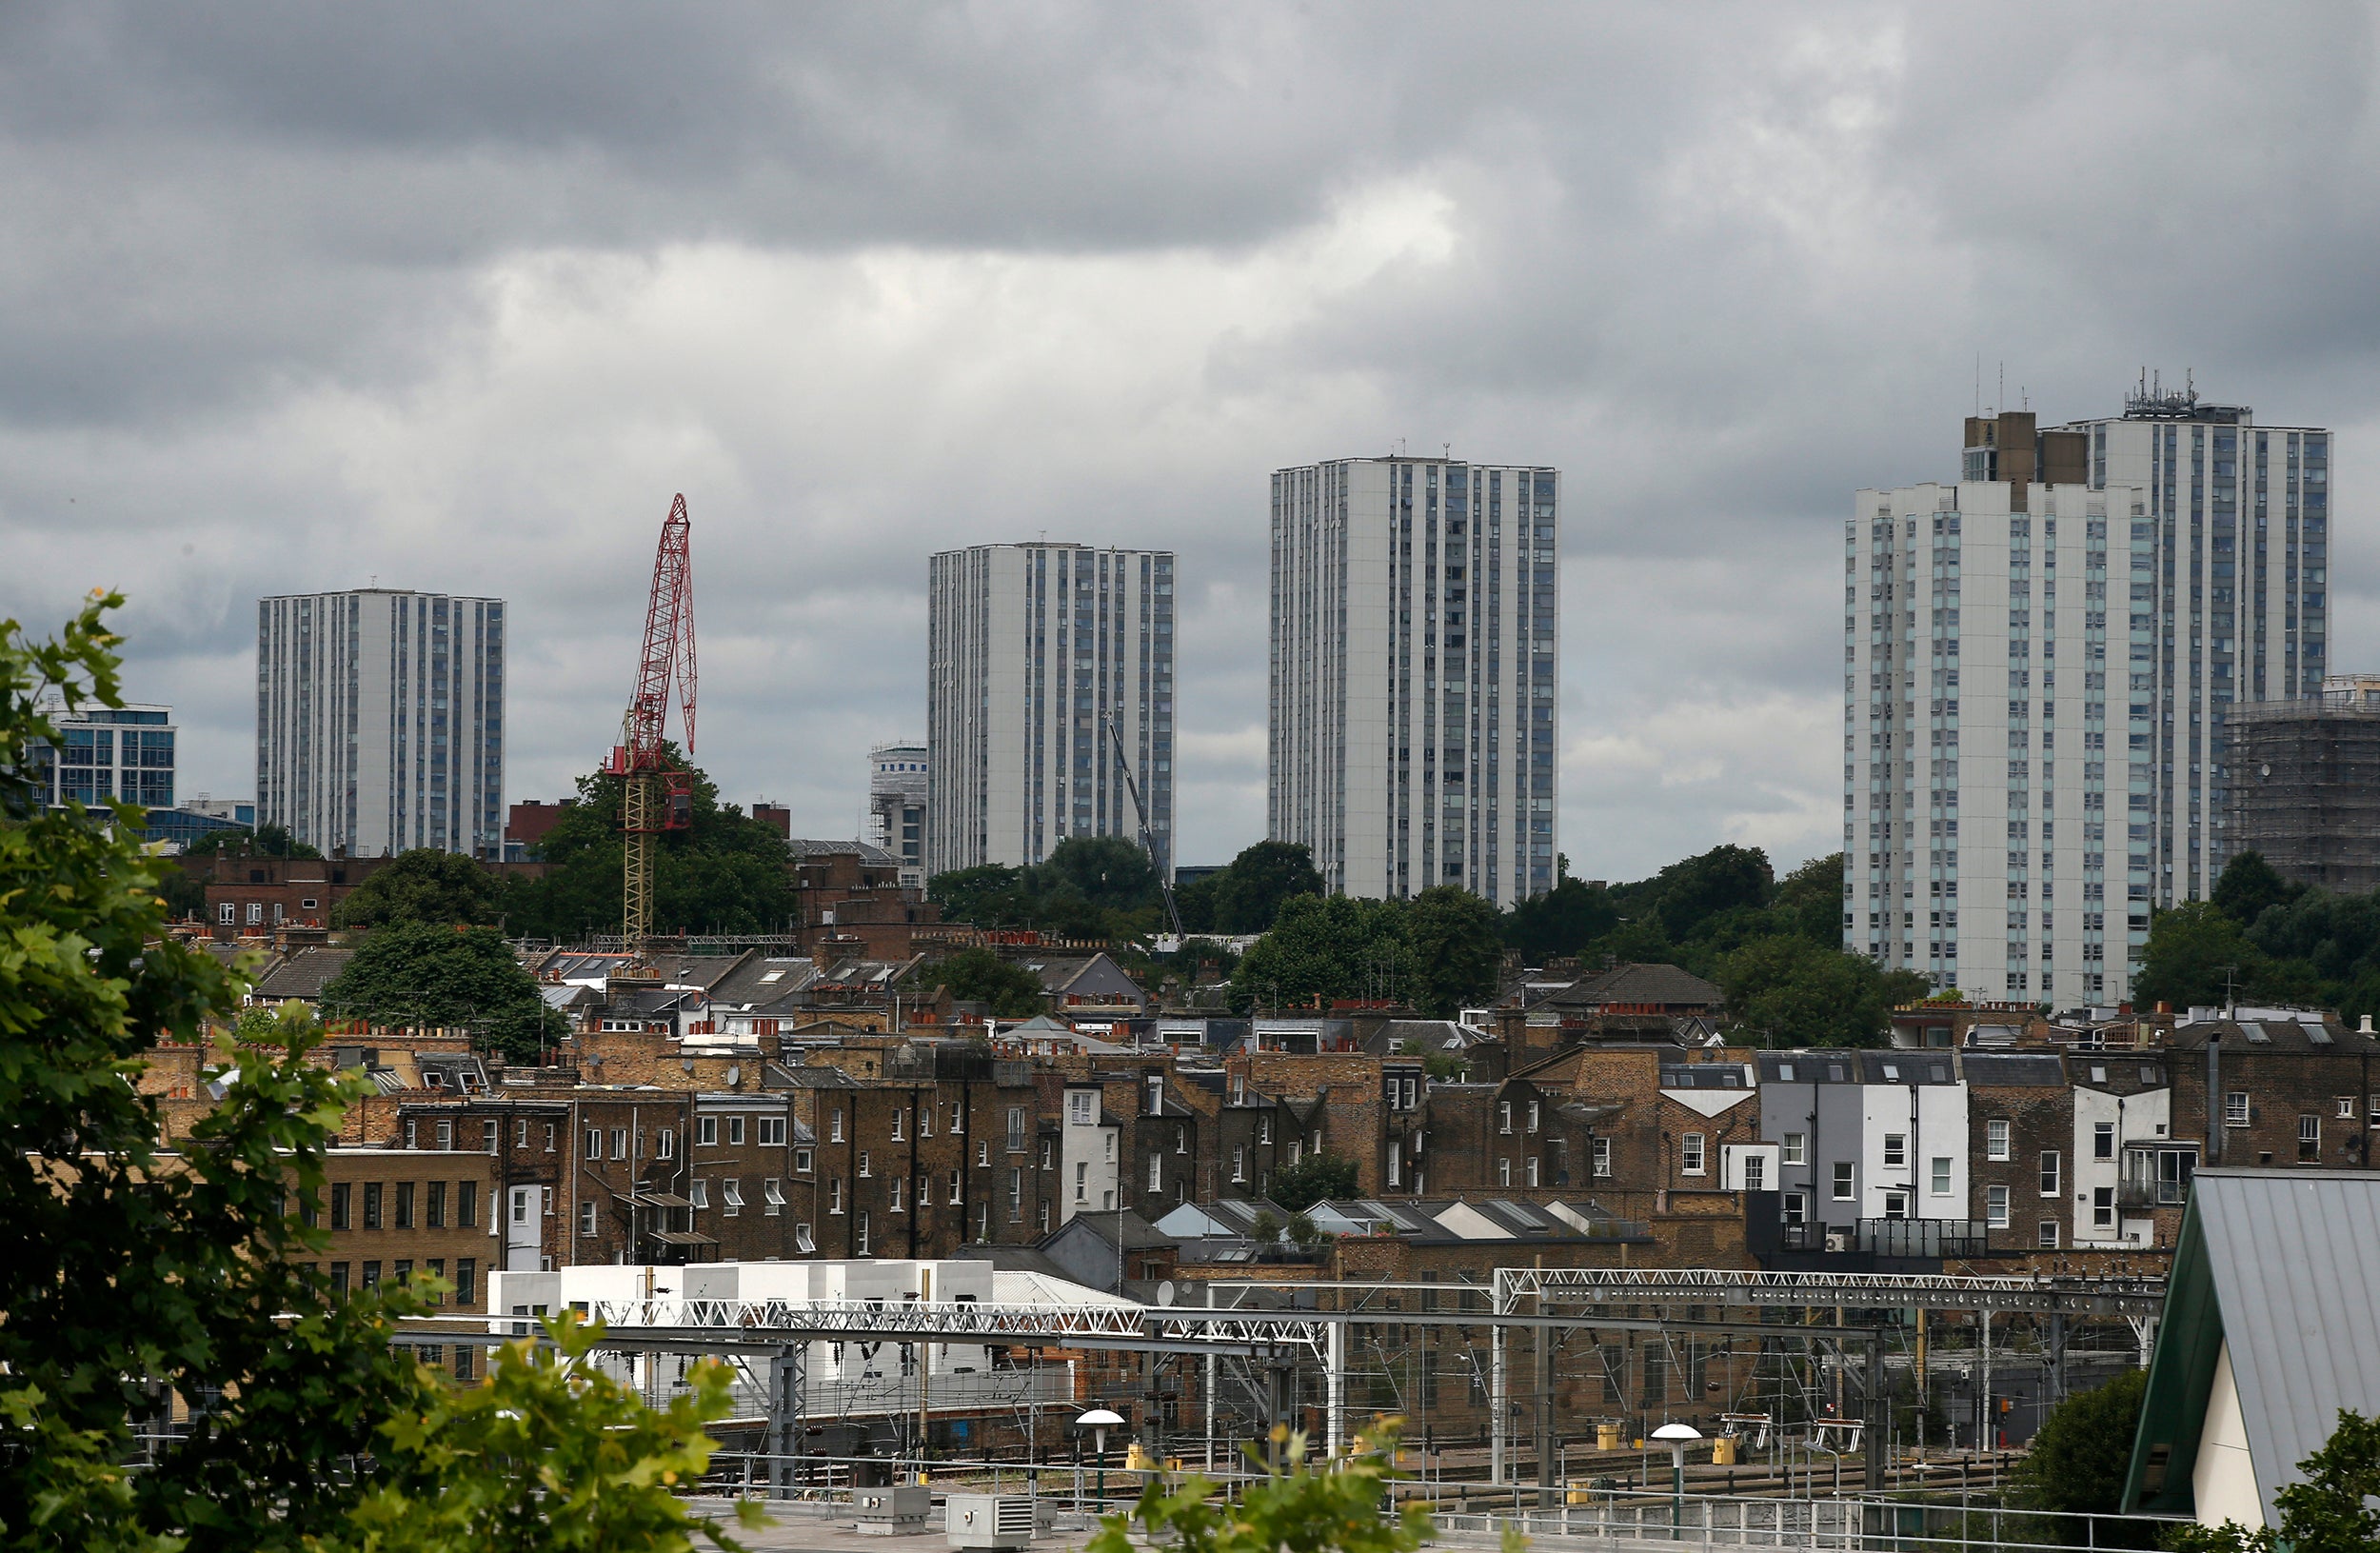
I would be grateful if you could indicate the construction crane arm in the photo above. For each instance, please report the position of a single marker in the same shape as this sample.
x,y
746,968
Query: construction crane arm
x,y
1148,843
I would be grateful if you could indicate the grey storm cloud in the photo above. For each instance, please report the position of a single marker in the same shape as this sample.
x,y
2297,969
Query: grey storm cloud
x,y
456,297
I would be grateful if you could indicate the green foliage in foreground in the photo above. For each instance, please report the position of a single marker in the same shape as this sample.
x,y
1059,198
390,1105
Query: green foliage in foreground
x,y
2336,1509
1298,1509
131,1276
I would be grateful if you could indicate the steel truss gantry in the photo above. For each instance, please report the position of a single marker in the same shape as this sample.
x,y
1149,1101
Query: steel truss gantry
x,y
1547,1300
2066,1295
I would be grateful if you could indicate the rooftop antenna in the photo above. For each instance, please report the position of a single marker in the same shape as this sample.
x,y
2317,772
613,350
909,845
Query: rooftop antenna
x,y
1446,449
2024,400
2000,401
1979,384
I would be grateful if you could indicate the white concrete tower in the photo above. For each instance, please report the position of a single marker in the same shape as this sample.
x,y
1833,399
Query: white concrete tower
x,y
1031,649
1413,693
379,721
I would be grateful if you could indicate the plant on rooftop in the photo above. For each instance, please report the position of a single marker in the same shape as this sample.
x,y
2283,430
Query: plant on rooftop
x,y
1317,1177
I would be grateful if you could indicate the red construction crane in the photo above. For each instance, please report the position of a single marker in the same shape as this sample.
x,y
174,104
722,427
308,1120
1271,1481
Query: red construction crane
x,y
659,796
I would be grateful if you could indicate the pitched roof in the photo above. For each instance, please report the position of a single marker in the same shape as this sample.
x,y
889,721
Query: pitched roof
x,y
2277,1268
1643,984
303,974
875,857
2314,1032
2015,1069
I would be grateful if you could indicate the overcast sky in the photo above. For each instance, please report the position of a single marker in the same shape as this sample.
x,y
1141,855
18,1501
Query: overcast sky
x,y
292,299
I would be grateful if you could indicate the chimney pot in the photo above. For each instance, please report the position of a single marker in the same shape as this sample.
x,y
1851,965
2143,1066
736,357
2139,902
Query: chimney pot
x,y
2365,1028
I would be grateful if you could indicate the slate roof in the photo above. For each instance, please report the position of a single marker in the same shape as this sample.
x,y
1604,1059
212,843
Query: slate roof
x,y
779,1076
2313,1034
1642,984
2015,1069
1907,1068
1808,1068
303,974
2280,1266
1140,1235
875,857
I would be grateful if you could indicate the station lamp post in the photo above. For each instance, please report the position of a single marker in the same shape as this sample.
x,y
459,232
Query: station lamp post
x,y
1676,1436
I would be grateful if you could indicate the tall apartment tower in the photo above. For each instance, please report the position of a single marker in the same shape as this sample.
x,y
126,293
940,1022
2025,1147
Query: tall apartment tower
x,y
896,805
1032,649
2235,594
1413,698
379,721
1980,674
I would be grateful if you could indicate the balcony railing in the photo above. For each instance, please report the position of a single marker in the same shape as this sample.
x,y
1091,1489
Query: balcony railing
x,y
2153,1194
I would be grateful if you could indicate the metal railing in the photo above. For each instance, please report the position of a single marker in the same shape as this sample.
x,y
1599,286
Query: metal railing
x,y
1600,1511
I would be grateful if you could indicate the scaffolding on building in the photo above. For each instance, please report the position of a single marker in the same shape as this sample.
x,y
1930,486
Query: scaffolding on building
x,y
2304,784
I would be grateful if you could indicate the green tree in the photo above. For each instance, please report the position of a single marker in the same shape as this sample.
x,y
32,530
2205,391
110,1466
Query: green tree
x,y
1722,879
724,872
1323,948
415,974
1108,872
1317,1177
1810,901
1563,921
2248,885
2078,1459
977,975
131,1275
551,1453
424,885
2191,949
2334,1508
1249,895
264,841
1327,1507
988,895
1796,993
1456,948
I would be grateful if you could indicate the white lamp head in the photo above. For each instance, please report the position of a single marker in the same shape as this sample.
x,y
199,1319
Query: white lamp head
x,y
1106,1418
1678,1433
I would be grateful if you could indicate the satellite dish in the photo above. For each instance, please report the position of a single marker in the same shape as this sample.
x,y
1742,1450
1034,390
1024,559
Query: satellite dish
x,y
1165,1292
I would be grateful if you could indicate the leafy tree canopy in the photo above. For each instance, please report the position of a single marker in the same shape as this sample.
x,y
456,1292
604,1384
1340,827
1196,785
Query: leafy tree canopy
x,y
1326,1508
1773,945
2336,1508
134,1275
424,885
1246,896
264,841
2078,1459
1323,948
2248,885
1317,1177
1089,886
726,872
414,973
1794,993
978,975
2190,950
1456,951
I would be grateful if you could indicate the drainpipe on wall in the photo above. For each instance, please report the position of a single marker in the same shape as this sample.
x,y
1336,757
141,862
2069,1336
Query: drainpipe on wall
x,y
2214,1099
